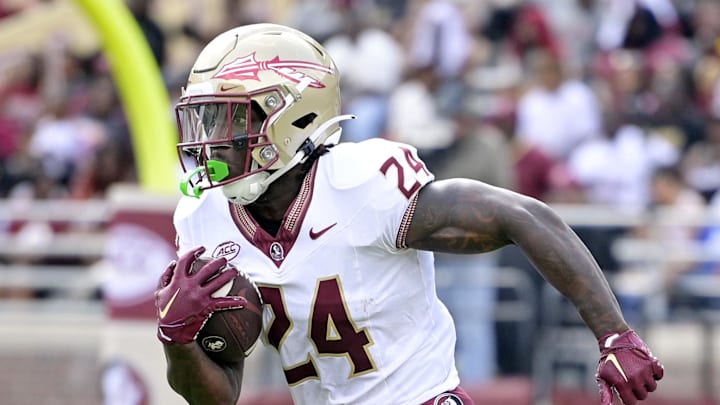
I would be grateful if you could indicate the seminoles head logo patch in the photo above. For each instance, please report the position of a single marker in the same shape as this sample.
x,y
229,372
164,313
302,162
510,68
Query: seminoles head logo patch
x,y
214,343
448,399
247,68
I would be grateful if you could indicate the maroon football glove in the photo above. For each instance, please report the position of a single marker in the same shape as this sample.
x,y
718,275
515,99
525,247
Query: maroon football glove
x,y
184,301
627,366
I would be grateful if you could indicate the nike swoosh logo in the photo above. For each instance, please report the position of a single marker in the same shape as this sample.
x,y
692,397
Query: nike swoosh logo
x,y
612,359
314,235
226,88
164,311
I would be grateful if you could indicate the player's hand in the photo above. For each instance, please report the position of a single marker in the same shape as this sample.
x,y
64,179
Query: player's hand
x,y
628,367
184,301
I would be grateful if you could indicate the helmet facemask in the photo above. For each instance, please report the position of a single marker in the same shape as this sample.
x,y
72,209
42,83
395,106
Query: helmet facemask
x,y
217,122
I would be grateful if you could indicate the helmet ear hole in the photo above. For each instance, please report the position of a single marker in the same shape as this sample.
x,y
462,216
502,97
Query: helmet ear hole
x,y
304,121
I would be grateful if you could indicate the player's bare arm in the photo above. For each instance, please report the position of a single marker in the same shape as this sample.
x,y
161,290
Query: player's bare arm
x,y
192,374
466,216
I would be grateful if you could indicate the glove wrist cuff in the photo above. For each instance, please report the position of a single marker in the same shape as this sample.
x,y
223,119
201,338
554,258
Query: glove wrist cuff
x,y
169,334
610,339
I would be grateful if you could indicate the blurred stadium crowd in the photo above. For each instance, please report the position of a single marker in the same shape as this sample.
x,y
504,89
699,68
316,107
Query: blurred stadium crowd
x,y
614,103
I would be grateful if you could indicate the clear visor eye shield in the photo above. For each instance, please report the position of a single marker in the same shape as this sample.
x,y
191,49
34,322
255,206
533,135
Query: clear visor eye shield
x,y
215,122
206,125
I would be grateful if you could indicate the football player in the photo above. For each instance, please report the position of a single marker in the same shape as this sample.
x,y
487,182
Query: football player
x,y
339,238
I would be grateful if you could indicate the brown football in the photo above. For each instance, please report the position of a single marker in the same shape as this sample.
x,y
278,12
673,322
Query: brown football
x,y
230,335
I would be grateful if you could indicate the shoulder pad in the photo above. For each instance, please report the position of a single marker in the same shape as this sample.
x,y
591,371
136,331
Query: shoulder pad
x,y
352,164
187,206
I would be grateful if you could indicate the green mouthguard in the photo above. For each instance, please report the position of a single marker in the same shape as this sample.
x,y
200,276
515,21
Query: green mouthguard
x,y
217,172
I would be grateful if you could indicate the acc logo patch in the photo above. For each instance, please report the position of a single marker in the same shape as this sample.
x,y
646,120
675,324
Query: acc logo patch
x,y
228,250
448,399
214,343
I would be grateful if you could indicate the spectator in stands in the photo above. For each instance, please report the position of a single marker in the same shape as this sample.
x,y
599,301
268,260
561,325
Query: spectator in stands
x,y
536,173
57,144
415,117
557,113
531,32
700,164
372,62
20,106
649,27
633,23
704,21
574,25
519,28
442,40
64,138
622,81
705,77
479,151
112,159
616,169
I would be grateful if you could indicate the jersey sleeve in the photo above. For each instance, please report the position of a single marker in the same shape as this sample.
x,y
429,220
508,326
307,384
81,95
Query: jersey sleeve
x,y
401,176
183,228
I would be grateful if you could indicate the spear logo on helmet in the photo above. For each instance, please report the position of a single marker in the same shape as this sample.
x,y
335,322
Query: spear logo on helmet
x,y
247,68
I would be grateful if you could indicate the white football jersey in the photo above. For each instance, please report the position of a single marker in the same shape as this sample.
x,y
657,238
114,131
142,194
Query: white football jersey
x,y
351,310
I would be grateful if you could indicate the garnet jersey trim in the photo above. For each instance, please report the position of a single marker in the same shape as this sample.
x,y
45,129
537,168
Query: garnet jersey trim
x,y
289,229
401,240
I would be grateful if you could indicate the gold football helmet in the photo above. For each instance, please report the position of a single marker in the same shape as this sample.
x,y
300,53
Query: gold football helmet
x,y
266,90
